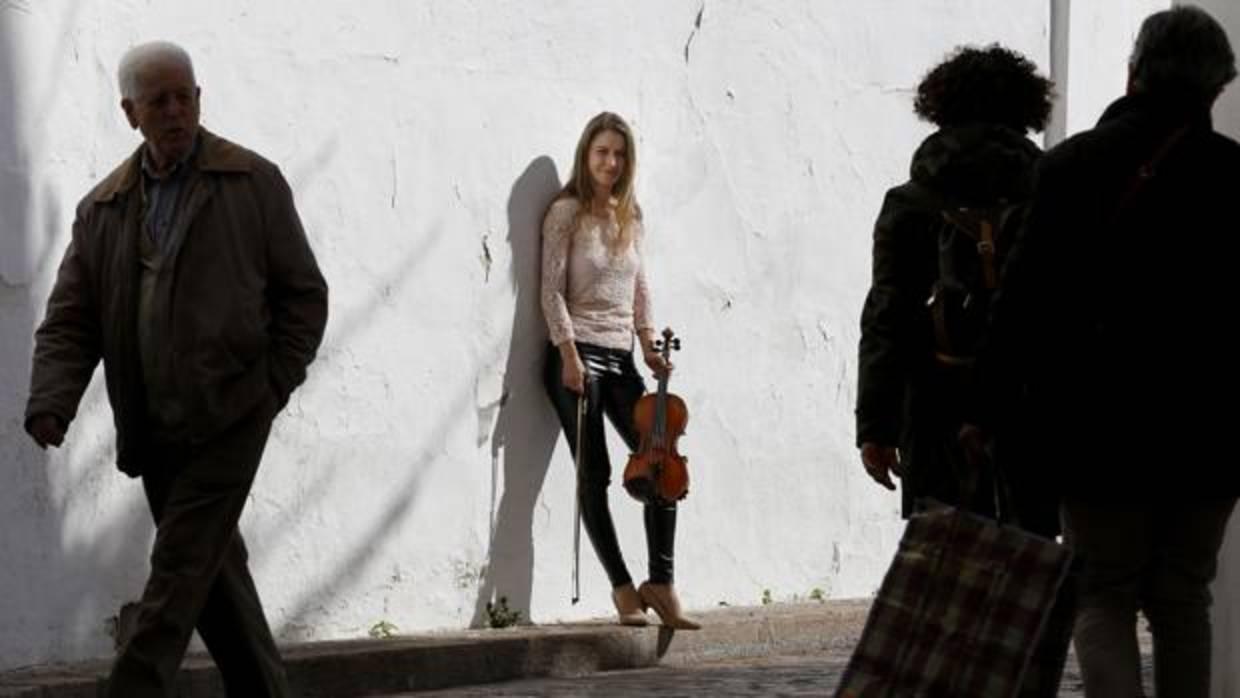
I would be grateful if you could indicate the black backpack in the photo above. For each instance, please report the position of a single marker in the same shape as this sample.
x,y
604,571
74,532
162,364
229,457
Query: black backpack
x,y
972,244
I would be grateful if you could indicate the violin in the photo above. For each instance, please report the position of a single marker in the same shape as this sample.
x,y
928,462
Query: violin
x,y
657,473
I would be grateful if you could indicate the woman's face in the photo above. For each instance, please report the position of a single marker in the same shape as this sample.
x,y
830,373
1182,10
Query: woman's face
x,y
606,160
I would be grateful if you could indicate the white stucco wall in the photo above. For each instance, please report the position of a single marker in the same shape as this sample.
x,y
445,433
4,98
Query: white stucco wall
x,y
1100,36
1226,616
423,141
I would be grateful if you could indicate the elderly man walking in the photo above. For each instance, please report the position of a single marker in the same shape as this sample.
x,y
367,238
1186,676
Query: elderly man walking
x,y
1113,313
189,276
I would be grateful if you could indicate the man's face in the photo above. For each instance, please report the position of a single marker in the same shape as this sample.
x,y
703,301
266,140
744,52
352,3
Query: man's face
x,y
165,110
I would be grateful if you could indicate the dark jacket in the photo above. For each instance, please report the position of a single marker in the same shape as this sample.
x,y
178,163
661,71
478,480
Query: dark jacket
x,y
905,398
248,304
1116,317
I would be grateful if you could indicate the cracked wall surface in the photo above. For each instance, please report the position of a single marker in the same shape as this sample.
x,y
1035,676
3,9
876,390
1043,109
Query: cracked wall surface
x,y
419,473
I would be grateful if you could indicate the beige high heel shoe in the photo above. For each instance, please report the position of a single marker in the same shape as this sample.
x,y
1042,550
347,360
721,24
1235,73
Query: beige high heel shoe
x,y
662,598
629,606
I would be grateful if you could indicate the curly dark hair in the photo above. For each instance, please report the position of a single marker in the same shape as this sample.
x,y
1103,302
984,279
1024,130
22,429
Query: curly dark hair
x,y
989,85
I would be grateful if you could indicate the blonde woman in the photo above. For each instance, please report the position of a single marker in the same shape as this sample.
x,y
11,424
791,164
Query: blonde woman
x,y
595,299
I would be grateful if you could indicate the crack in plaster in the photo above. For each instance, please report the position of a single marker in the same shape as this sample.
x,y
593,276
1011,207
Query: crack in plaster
x,y
486,259
392,161
697,26
719,152
22,6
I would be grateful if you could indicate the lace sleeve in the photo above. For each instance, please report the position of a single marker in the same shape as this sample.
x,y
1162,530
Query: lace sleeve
x,y
557,233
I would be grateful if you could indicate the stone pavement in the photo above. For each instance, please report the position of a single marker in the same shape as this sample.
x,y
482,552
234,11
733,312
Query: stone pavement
x,y
796,675
441,660
813,674
781,649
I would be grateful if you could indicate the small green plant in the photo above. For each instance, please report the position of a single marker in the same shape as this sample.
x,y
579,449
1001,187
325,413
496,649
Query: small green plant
x,y
500,616
766,597
383,630
817,594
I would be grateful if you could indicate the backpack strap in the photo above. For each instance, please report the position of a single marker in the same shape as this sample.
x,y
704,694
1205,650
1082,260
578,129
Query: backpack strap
x,y
1146,172
980,226
945,353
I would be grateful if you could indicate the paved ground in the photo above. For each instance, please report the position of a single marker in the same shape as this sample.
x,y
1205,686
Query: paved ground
x,y
792,675
776,650
776,676
805,675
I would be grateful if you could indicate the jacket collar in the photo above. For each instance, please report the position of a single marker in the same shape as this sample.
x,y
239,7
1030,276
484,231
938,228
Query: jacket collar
x,y
1164,110
214,154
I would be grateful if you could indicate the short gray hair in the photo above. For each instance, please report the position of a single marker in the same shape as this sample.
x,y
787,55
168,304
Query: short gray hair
x,y
142,55
1182,51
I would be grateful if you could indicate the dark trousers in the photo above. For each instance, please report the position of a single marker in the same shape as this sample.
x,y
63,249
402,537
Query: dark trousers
x,y
1159,558
199,577
613,387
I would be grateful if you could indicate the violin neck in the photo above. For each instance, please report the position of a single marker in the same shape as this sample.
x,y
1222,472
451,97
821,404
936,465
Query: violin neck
x,y
660,414
658,431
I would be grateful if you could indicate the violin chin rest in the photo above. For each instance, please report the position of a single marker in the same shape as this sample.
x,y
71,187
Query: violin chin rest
x,y
640,488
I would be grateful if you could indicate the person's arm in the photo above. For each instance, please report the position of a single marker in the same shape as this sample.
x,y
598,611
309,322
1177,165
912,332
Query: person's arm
x,y
67,349
557,232
888,327
296,290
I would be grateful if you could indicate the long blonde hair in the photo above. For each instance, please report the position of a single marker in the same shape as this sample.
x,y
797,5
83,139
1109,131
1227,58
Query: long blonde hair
x,y
581,188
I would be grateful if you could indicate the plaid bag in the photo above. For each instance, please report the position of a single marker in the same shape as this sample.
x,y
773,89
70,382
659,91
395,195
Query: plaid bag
x,y
960,611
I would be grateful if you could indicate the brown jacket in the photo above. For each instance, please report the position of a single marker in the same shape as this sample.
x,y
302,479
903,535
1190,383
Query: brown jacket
x,y
248,303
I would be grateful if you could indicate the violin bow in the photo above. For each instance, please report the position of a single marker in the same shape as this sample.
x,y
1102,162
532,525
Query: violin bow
x,y
581,420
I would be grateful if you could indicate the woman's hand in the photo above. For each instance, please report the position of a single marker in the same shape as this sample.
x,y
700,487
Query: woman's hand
x,y
657,363
653,358
574,376
573,373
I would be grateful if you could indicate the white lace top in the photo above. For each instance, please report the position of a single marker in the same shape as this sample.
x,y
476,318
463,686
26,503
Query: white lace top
x,y
589,294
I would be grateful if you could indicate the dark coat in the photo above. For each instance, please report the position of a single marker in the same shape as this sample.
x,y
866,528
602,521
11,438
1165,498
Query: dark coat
x,y
905,398
248,302
1116,317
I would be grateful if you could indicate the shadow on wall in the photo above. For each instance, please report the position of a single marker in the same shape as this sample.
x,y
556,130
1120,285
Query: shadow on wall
x,y
25,489
526,429
301,615
51,599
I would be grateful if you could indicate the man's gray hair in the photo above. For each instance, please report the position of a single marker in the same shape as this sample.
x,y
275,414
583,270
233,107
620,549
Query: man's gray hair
x,y
1182,51
142,55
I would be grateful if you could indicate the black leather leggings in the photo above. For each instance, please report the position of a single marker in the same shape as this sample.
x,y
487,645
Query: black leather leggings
x,y
613,387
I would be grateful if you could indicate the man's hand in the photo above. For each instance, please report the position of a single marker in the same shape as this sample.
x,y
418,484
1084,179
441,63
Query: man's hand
x,y
973,442
880,462
47,430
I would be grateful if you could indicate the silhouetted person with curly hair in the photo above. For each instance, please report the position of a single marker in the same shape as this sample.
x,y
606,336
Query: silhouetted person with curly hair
x,y
938,249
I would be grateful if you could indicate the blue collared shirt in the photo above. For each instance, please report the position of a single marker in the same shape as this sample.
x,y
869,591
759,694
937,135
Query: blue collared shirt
x,y
161,195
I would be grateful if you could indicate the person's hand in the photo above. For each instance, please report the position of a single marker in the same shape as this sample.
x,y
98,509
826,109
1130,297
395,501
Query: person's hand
x,y
973,443
657,363
574,375
47,430
880,462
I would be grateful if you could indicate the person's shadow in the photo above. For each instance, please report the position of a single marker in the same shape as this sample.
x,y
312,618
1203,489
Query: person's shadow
x,y
64,575
526,429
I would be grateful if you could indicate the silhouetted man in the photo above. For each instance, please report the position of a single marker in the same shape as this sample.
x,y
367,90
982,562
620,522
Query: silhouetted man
x,y
1114,310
